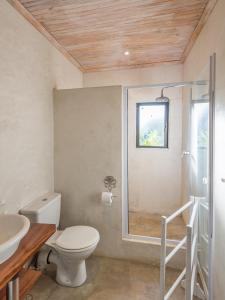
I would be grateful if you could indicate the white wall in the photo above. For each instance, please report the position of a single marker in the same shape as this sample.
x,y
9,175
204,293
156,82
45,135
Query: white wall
x,y
65,75
29,70
212,39
156,74
155,173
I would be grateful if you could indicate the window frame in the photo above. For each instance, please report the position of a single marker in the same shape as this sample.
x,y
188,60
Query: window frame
x,y
166,124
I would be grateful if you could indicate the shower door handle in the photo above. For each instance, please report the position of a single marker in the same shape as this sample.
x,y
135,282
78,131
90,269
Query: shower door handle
x,y
186,153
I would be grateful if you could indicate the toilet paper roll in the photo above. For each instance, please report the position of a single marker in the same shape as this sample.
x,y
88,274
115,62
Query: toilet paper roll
x,y
107,198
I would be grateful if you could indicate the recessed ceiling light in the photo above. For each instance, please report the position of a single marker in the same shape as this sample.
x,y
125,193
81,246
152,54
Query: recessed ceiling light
x,y
126,53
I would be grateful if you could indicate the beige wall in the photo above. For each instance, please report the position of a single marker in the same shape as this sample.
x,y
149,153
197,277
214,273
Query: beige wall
x,y
88,147
154,173
29,70
65,75
212,39
156,74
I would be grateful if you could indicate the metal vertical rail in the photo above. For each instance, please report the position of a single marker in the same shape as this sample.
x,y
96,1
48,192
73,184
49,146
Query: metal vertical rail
x,y
12,289
191,253
195,267
163,258
188,262
212,89
9,291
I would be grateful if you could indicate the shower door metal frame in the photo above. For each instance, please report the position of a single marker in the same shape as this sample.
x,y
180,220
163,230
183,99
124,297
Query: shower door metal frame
x,y
125,195
125,205
212,89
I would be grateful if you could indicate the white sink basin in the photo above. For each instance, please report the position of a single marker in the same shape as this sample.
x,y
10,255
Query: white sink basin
x,y
12,229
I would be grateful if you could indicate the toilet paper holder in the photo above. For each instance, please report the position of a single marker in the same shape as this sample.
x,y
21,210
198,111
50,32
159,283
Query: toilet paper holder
x,y
110,183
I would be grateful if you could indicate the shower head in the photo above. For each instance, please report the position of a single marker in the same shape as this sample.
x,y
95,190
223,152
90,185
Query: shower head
x,y
162,98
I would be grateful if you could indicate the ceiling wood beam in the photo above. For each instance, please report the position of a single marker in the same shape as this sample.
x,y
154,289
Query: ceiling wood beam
x,y
25,13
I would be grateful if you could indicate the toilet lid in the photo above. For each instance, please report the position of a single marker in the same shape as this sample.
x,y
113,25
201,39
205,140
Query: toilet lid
x,y
77,237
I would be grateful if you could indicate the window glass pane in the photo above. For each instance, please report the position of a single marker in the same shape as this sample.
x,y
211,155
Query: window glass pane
x,y
152,125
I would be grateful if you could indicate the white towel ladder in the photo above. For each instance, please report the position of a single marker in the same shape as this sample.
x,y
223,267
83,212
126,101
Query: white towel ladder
x,y
191,243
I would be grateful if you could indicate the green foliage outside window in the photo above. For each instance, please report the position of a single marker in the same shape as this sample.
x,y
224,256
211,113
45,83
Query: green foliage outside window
x,y
152,138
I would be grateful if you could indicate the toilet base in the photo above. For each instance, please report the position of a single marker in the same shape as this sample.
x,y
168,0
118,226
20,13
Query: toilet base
x,y
72,278
70,265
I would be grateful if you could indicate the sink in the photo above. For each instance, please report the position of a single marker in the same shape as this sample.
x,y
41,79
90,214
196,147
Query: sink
x,y
13,228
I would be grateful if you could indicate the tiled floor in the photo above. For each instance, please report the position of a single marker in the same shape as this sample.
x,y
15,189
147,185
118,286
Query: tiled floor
x,y
109,279
150,225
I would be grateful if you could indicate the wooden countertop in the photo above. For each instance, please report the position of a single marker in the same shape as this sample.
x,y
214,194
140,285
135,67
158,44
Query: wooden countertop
x,y
37,235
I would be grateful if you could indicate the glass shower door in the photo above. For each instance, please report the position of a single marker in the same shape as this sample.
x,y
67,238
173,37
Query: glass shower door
x,y
200,153
202,104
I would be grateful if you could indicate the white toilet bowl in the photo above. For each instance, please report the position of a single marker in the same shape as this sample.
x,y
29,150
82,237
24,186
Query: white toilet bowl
x,y
67,249
70,248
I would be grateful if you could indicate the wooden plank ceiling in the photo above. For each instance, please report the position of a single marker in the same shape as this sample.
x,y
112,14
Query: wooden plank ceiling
x,y
96,33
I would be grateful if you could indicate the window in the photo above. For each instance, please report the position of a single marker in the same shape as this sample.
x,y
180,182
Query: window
x,y
152,125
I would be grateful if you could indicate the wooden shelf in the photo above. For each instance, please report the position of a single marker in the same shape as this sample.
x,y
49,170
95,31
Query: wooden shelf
x,y
27,280
30,244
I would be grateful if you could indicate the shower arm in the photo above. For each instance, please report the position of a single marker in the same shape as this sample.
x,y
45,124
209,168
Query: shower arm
x,y
172,86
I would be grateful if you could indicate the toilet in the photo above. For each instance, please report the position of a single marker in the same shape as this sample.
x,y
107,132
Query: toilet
x,y
67,249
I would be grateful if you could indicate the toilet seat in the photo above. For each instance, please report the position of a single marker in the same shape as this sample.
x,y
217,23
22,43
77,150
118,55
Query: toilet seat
x,y
77,238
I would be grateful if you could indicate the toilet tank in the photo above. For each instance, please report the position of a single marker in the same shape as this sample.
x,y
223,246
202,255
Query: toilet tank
x,y
45,209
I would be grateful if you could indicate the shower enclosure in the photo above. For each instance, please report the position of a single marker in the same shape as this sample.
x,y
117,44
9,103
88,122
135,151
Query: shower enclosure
x,y
168,162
